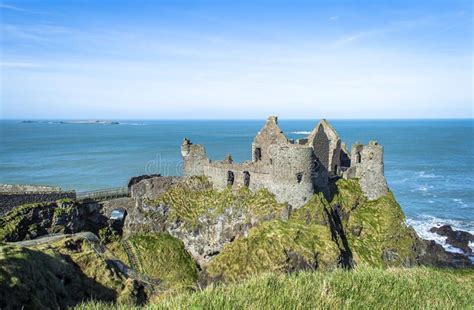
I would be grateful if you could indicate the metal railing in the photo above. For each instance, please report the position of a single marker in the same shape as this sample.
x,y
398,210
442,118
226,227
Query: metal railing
x,y
104,194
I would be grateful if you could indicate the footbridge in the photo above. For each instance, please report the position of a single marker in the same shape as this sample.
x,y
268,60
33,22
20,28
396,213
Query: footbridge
x,y
103,194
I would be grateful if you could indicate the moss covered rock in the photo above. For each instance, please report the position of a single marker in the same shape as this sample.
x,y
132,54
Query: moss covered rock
x,y
276,246
195,201
203,218
59,274
34,220
370,232
159,256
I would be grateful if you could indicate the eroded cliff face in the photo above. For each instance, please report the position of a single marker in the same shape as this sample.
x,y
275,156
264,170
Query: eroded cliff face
x,y
233,234
203,218
31,221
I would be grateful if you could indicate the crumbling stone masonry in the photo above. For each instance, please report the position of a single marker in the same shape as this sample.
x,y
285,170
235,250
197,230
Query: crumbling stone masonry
x,y
12,196
293,170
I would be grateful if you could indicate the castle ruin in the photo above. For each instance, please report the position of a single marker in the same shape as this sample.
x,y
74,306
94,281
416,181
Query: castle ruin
x,y
293,170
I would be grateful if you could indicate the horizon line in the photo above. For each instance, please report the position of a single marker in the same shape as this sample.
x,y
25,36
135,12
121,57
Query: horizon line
x,y
228,119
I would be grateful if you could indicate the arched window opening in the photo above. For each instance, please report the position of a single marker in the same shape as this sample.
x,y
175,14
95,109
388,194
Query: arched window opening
x,y
358,158
258,154
246,178
230,178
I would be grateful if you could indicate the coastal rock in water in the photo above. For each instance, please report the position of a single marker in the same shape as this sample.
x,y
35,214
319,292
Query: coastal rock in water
x,y
457,238
433,254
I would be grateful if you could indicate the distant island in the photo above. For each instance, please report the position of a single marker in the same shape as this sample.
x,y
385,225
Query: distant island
x,y
86,122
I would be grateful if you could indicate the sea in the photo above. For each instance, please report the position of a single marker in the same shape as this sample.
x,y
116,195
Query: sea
x,y
428,163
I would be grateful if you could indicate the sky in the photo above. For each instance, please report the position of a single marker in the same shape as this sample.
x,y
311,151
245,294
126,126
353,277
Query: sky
x,y
236,59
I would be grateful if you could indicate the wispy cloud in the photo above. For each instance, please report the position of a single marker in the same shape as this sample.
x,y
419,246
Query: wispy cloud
x,y
39,33
390,27
351,38
21,65
4,6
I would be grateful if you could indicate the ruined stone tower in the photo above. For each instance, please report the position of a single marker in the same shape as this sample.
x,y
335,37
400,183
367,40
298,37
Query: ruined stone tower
x,y
367,165
292,170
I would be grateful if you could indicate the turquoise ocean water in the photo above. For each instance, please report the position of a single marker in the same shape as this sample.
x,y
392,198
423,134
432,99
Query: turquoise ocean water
x,y
428,163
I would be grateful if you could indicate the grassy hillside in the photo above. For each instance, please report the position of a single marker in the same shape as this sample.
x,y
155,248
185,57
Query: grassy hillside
x,y
373,232
59,274
286,261
277,246
362,288
159,256
347,230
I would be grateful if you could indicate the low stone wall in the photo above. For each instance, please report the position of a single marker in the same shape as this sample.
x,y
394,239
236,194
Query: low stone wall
x,y
10,200
25,188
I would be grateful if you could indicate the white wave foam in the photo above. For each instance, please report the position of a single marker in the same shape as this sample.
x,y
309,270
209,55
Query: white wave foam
x,y
424,189
460,201
301,132
424,175
423,225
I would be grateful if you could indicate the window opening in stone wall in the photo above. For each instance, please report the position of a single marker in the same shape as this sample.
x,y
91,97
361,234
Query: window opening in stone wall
x,y
258,154
358,158
246,178
230,178
299,177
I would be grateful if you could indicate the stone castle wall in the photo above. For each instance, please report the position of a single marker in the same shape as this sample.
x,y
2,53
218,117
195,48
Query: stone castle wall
x,y
14,196
367,165
292,170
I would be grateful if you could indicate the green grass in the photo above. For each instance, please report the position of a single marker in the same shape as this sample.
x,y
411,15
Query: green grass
x,y
380,223
383,228
163,257
362,288
12,220
57,275
19,223
195,198
274,246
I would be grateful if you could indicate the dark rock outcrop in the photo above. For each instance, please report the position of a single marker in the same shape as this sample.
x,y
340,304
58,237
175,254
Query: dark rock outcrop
x,y
433,254
35,220
135,180
457,238
150,187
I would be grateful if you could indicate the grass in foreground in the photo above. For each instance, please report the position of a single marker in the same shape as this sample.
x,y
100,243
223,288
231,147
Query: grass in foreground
x,y
363,288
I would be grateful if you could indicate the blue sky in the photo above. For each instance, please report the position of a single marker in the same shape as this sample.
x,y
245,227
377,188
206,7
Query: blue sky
x,y
236,59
